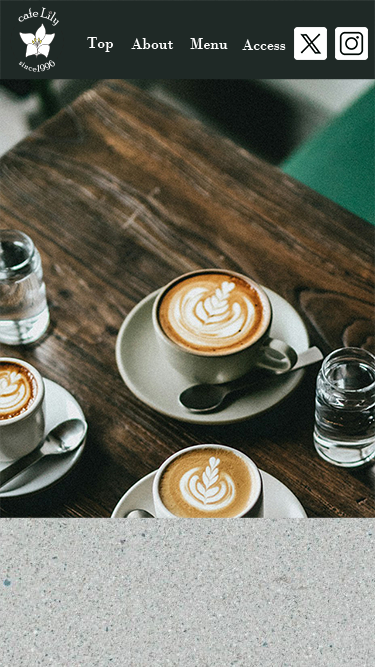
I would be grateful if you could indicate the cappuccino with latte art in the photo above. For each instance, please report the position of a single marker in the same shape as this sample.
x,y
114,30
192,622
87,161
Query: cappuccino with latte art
x,y
18,390
213,326
21,408
207,481
213,313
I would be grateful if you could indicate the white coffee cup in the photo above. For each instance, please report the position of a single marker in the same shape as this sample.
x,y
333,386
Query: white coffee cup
x,y
199,366
253,505
21,434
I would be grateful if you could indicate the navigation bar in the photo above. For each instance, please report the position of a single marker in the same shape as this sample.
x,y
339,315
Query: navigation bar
x,y
164,39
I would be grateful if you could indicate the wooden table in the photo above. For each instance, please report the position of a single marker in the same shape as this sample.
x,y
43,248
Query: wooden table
x,y
121,194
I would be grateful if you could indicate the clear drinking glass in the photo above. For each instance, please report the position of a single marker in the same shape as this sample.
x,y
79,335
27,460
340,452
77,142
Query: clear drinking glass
x,y
24,315
345,408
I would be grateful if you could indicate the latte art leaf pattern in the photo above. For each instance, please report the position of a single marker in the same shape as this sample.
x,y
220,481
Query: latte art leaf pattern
x,y
210,476
15,392
208,490
213,313
213,318
214,308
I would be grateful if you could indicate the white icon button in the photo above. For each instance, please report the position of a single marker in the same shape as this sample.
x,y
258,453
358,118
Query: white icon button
x,y
351,43
310,43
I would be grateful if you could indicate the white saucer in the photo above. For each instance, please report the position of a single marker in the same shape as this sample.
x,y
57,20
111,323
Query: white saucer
x,y
279,501
158,385
59,405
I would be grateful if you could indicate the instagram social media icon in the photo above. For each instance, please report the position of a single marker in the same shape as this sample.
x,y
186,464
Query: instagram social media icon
x,y
351,43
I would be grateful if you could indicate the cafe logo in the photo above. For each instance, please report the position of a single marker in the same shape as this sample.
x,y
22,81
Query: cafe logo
x,y
38,44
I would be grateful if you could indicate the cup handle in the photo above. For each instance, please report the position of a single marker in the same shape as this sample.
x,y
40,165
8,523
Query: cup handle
x,y
277,356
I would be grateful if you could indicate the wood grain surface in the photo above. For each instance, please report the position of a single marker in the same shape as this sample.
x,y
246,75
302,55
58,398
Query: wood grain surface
x,y
121,194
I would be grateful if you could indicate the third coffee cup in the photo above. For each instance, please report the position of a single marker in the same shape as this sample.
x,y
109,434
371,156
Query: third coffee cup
x,y
208,481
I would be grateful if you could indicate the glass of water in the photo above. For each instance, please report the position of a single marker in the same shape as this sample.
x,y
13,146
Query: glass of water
x,y
24,315
345,408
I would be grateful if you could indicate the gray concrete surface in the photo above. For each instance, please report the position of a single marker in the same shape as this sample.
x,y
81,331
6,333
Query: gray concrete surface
x,y
209,593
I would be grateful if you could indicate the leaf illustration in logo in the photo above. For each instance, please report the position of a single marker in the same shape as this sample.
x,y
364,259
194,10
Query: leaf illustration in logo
x,y
37,44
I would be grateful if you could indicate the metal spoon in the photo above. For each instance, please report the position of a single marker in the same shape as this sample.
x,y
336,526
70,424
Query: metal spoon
x,y
208,397
62,439
138,514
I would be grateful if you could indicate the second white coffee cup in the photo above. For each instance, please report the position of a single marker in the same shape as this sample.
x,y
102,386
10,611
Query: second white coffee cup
x,y
22,433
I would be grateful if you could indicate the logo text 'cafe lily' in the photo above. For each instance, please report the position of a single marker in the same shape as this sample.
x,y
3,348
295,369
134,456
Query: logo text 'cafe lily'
x,y
50,16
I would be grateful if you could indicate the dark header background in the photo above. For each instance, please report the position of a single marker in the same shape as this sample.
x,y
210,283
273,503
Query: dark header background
x,y
231,21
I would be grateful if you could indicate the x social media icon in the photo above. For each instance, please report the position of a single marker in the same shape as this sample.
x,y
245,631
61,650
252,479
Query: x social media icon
x,y
310,43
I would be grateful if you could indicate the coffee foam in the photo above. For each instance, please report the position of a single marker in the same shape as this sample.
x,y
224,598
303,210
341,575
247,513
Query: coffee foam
x,y
18,390
212,313
207,482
